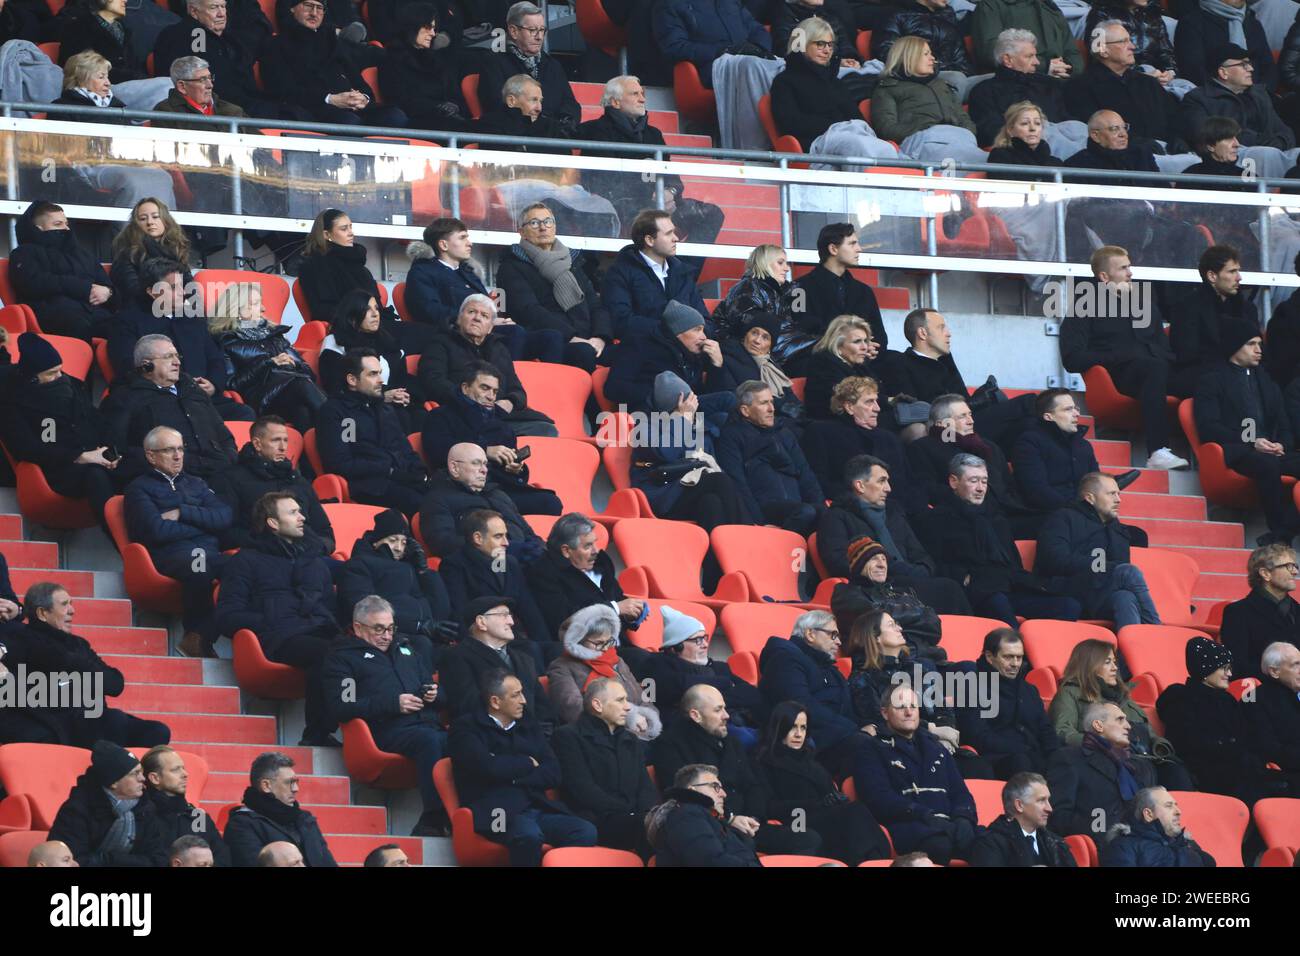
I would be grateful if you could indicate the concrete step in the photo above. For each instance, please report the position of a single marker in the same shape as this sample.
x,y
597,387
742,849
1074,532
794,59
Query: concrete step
x,y
29,554
139,669
11,527
229,788
1117,454
1150,480
154,698
221,728
140,641
1221,587
1163,506
1214,534
237,758
1217,560
77,583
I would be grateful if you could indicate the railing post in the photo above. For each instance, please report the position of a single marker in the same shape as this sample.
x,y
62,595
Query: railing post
x,y
932,242
784,192
659,181
455,182
1267,311
11,170
237,197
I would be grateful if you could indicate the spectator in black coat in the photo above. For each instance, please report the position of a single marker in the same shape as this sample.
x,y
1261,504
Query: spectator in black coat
x,y
64,284
683,661
270,814
388,562
764,460
359,324
462,489
489,643
166,781
1196,324
285,596
1112,81
748,356
1204,28
1145,23
503,767
483,567
230,46
1275,717
52,423
603,768
1013,732
869,589
1051,458
1108,147
449,16
758,293
150,233
1239,407
360,438
178,518
573,574
1092,783
442,274
933,21
525,29
1283,358
699,734
829,290
700,31
847,349
17,22
1015,79
1231,92
678,355
689,828
101,26
647,275
392,690
1153,835
1019,142
1267,614
520,117
93,820
808,96
838,14
419,74
1020,836
975,546
854,429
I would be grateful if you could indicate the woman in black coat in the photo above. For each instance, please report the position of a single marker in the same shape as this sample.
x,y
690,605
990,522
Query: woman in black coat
x,y
846,349
807,96
801,791
748,357
419,75
389,562
150,233
101,27
1021,143
358,324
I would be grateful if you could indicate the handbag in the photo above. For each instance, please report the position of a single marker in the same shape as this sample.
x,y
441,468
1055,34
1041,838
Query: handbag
x,y
987,394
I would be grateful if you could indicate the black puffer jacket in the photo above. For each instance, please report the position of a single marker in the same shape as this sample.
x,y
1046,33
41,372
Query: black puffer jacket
x,y
254,476
1145,24
416,593
807,99
937,27
256,378
85,818
53,273
685,831
90,31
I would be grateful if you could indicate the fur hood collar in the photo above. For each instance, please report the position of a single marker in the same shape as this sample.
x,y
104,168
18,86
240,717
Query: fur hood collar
x,y
584,621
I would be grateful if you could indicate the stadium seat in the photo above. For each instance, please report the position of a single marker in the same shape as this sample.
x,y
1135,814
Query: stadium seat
x,y
1049,643
543,524
13,319
600,32
1171,576
1278,856
568,468
559,391
1028,552
1278,821
589,856
242,432
275,289
1158,650
815,556
1043,681
369,765
350,522
469,90
37,779
7,292
781,143
399,302
694,100
340,484
988,799
748,626
16,845
650,635
769,559
469,848
1220,484
77,355
144,585
794,860
615,449
262,677
963,635
598,379
1112,408
665,558
863,44
311,335
745,666
1083,849
42,504
1218,824
1239,687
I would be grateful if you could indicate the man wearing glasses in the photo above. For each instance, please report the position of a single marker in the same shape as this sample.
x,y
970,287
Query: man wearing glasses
x,y
230,41
1233,93
526,32
687,829
193,94
489,644
382,678
1267,614
1114,82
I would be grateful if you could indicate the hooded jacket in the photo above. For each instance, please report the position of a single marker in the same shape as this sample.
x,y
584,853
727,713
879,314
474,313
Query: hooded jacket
x,y
263,819
87,815
569,673
636,298
277,590
901,106
416,593
1147,845
53,273
434,291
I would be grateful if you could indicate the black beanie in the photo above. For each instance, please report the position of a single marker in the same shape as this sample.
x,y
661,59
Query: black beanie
x,y
35,355
1205,656
390,522
110,762
1234,333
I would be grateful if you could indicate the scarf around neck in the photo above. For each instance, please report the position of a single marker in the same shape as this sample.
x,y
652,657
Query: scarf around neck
x,y
1235,16
532,64
556,267
100,101
632,128
602,666
771,375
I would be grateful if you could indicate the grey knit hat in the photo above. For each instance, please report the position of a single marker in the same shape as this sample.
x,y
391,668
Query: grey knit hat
x,y
680,317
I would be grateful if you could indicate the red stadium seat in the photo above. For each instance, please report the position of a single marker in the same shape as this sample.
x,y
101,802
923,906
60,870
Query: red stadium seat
x,y
769,559
275,289
744,666
781,143
40,503
666,556
13,319
144,584
469,848
1278,821
17,845
371,75
694,100
369,765
262,677
242,432
1083,849
748,626
1239,688
864,45
794,860
963,636
311,335
1171,576
350,522
600,32
1278,856
77,355
588,856
37,779
7,292
313,456
1112,408
569,468
1158,650
559,391
1218,824
598,378
1221,485
988,799
1049,643
469,90
399,302
1043,681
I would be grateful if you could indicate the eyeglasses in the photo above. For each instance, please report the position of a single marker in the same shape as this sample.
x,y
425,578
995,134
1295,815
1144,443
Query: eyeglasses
x,y
1289,565
547,223
822,44
173,450
497,614
833,635
701,640
379,630
532,31
313,7
601,646
1245,64
1123,42
205,80
713,785
1110,129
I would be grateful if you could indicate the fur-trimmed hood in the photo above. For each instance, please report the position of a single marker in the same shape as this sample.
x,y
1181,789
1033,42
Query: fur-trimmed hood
x,y
580,623
419,250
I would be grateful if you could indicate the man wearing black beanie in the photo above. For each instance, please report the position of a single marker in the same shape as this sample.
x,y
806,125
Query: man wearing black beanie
x,y
104,821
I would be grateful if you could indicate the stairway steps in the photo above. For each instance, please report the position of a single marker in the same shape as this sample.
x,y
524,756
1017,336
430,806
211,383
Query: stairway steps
x,y
76,583
730,192
1213,534
1217,560
221,728
1117,454
140,641
238,758
138,669
1149,480
1221,587
30,554
751,219
153,698
1163,506
11,527
225,787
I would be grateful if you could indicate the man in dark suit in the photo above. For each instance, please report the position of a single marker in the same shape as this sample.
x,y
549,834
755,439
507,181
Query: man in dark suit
x,y
1020,836
574,574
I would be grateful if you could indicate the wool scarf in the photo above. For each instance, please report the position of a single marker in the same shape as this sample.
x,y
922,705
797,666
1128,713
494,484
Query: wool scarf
x,y
771,375
1236,17
602,666
556,266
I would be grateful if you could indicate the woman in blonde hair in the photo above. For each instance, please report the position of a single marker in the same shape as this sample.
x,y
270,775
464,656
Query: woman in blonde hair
x,y
846,348
766,279
266,371
1020,141
911,98
150,233
808,97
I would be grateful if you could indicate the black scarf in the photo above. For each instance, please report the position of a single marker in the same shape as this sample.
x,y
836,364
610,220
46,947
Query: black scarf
x,y
271,808
630,128
532,65
986,538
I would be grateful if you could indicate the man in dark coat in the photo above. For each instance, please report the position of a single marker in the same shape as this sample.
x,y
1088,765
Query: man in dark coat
x,y
574,574
866,511
1085,544
683,661
64,284
178,518
525,29
1112,81
646,275
483,567
520,116
702,30
388,562
699,735
263,466
1275,717
1131,347
1015,79
442,274
1020,836
464,488
285,596
912,786
192,95
1014,734
1154,835
976,548
270,814
1231,92
1267,614
106,821
360,437
1202,313
1238,406
166,783
1052,456
1201,33
157,394
679,345
1092,783
688,828
390,679
603,768
763,458
489,643
503,767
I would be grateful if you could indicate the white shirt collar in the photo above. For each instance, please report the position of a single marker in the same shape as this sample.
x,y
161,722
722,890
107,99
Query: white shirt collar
x,y
501,725
659,269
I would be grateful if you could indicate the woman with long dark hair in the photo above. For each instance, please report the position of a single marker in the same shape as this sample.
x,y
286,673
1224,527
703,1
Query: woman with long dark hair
x,y
358,323
149,233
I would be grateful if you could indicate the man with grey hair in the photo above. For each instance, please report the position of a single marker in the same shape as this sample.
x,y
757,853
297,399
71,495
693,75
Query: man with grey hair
x,y
520,116
1020,836
574,573
178,518
1016,79
975,547
270,815
1153,835
1113,81
1092,783
193,94
1275,713
526,31
386,679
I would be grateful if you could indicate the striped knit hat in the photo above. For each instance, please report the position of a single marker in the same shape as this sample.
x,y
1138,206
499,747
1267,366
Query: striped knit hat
x,y
862,550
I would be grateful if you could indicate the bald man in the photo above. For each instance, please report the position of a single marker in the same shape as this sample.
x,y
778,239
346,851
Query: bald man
x,y
280,853
51,853
462,488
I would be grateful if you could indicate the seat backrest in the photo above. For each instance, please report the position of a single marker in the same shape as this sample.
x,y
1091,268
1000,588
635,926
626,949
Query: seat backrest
x,y
77,355
469,90
44,773
196,766
765,117
794,860
566,467
275,290
770,558
672,551
1218,824
16,846
1028,552
311,335
1049,643
1157,649
650,634
599,376
350,521
963,636
559,391
13,319
115,518
591,856
1187,419
399,301
1278,820
748,626
988,799
445,783
313,453
1170,576
7,293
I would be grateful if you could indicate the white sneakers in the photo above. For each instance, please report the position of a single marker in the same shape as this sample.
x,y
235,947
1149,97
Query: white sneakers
x,y
1165,460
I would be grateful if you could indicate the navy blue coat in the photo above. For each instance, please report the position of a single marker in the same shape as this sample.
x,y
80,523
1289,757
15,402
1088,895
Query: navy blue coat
x,y
378,446
671,447
468,574
416,593
434,292
639,360
1068,542
201,356
493,771
278,591
636,298
378,679
1048,464
699,30
767,466
793,670
889,772
203,514
1147,844
1020,725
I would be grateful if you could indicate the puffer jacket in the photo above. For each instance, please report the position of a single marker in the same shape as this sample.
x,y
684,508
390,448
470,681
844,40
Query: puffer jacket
x,y
1146,25
750,295
1147,844
53,273
901,106
937,27
252,374
434,292
277,590
202,514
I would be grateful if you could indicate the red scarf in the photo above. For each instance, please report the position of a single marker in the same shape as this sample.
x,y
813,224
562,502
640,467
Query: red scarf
x,y
602,666
203,110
